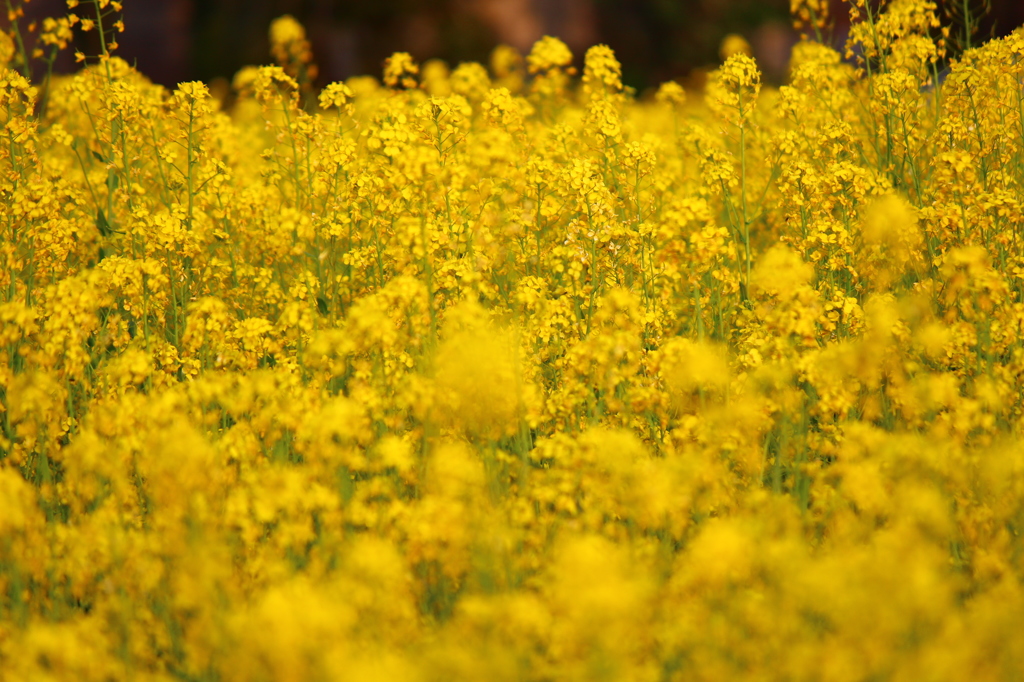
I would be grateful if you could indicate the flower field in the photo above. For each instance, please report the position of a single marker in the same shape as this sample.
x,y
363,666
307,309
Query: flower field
x,y
505,372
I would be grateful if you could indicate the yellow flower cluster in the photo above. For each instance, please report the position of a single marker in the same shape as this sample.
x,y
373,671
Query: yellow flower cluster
x,y
504,374
291,49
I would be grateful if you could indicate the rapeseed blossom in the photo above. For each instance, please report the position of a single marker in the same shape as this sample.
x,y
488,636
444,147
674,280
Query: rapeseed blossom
x,y
493,372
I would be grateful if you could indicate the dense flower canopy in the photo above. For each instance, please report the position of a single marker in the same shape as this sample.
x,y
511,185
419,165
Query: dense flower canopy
x,y
504,373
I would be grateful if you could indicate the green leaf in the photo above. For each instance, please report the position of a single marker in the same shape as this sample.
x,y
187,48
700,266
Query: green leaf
x,y
102,224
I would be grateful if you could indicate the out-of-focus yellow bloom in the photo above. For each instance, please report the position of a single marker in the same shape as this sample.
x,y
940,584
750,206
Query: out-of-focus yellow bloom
x,y
781,270
734,44
548,53
810,14
892,240
291,50
671,93
480,385
507,66
286,29
400,70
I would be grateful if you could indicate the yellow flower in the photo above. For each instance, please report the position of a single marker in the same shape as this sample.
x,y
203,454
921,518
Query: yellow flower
x,y
548,53
478,375
400,70
286,29
734,44
781,270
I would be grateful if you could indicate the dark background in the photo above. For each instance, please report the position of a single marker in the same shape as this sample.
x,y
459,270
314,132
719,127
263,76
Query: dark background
x,y
656,40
